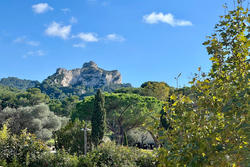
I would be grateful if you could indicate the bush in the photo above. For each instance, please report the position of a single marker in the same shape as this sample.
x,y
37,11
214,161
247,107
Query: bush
x,y
146,159
71,138
117,156
59,159
19,148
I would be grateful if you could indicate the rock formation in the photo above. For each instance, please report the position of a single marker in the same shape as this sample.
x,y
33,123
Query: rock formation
x,y
90,75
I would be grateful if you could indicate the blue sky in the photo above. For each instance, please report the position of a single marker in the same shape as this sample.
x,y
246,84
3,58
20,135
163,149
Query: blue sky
x,y
146,40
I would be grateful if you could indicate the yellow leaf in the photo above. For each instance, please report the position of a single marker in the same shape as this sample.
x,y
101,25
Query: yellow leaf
x,y
218,138
173,97
175,103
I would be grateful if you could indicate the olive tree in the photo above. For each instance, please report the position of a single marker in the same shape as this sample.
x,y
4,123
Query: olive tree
x,y
37,119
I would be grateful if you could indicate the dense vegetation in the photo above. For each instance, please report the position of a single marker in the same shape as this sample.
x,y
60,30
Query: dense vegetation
x,y
18,83
59,92
212,128
206,124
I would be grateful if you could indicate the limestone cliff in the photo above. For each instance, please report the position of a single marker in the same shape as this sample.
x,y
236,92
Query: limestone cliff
x,y
90,75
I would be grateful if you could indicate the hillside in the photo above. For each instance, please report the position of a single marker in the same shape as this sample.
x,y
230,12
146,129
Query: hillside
x,y
80,82
18,83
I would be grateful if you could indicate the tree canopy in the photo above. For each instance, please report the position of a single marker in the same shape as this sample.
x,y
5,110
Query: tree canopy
x,y
124,111
38,120
159,90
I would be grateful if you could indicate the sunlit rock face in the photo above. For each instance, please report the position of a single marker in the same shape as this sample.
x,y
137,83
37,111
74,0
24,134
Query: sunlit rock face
x,y
89,75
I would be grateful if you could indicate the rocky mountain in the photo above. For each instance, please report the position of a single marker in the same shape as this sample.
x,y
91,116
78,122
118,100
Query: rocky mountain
x,y
90,75
81,81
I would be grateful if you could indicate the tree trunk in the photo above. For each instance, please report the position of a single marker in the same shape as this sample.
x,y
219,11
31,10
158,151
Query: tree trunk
x,y
155,139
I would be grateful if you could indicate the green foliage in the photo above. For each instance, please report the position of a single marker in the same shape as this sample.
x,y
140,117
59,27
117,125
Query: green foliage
x,y
98,119
124,112
65,106
159,90
31,97
14,82
17,148
56,91
59,159
117,156
59,92
212,128
8,97
38,120
163,120
71,138
14,98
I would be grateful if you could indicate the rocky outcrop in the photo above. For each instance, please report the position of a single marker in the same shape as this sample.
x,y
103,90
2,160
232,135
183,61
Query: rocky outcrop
x,y
90,75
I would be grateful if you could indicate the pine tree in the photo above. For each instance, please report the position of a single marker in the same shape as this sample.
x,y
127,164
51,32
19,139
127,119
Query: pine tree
x,y
98,118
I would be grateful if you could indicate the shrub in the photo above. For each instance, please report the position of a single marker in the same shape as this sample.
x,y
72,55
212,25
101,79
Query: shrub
x,y
19,148
117,156
59,159
71,138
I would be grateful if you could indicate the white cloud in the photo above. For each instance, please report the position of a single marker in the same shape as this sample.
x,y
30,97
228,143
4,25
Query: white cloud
x,y
73,20
65,10
87,37
155,18
115,37
38,53
41,8
79,45
26,41
19,39
33,43
57,30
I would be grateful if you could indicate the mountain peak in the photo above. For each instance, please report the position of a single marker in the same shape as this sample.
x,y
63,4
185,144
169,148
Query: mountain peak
x,y
90,75
90,64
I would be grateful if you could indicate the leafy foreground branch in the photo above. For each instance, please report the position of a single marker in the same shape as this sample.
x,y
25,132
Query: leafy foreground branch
x,y
211,126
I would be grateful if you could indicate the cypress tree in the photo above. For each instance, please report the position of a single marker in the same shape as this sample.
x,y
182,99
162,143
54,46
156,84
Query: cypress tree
x,y
98,118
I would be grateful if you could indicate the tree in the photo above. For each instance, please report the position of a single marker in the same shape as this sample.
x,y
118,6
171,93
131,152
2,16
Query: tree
x,y
159,90
212,129
8,97
31,97
124,112
98,120
65,106
71,137
18,83
14,98
38,120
